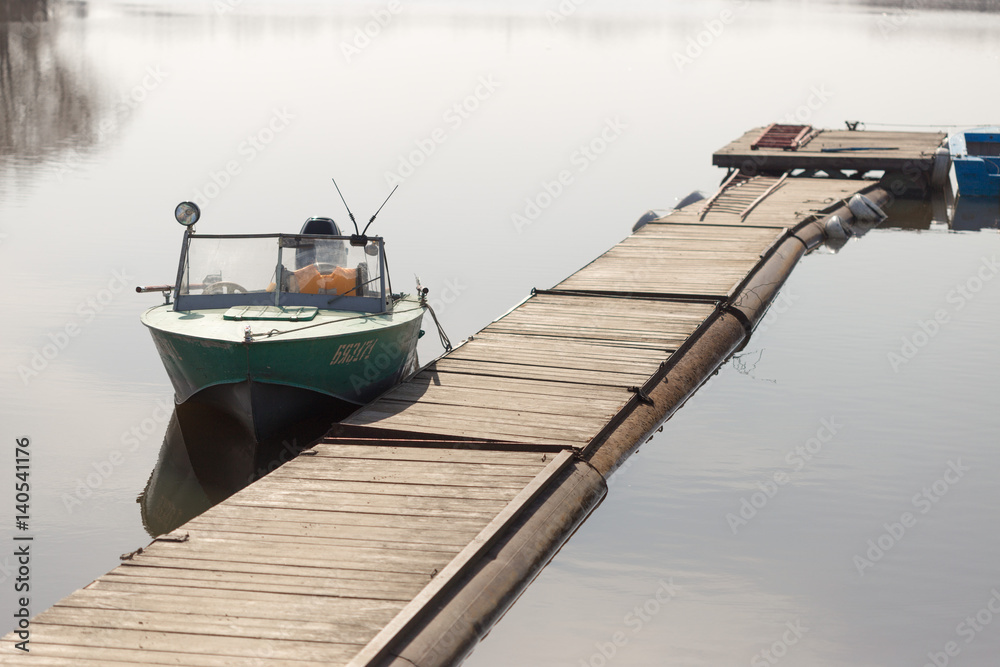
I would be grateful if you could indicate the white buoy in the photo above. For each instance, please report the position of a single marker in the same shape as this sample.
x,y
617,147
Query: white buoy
x,y
865,210
835,228
646,218
942,167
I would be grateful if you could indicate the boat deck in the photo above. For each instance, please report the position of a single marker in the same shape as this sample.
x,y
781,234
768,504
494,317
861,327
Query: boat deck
x,y
402,536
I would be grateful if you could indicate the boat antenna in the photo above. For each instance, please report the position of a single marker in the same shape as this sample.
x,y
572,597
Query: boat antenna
x,y
348,207
376,212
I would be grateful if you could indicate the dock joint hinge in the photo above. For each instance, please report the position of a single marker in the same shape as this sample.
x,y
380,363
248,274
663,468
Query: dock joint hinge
x,y
741,317
172,537
793,235
130,555
642,394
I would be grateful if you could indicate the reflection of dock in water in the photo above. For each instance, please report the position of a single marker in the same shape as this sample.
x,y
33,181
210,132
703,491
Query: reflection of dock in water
x,y
404,534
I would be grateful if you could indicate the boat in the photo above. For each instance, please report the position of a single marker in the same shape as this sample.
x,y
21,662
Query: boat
x,y
976,156
274,329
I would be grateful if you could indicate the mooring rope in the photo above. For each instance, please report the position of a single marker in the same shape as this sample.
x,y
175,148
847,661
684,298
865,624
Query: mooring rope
x,y
445,342
276,332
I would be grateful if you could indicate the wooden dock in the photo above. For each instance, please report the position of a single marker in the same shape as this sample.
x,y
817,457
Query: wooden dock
x,y
402,537
861,151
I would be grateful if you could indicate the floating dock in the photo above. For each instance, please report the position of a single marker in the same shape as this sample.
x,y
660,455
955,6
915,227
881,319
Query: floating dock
x,y
401,537
780,148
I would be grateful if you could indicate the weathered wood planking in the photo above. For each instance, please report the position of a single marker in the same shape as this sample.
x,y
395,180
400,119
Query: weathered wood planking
x,y
902,150
69,645
800,197
303,567
554,370
495,367
345,448
481,422
634,265
783,208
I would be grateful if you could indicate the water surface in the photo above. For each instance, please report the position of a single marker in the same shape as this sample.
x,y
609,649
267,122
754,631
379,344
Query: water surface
x,y
113,112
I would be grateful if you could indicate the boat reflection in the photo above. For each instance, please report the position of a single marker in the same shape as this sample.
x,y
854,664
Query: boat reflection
x,y
975,213
207,455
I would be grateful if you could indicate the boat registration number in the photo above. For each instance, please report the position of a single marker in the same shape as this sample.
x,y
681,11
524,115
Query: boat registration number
x,y
350,352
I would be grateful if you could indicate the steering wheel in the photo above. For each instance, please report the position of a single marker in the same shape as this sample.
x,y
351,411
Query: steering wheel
x,y
325,268
225,287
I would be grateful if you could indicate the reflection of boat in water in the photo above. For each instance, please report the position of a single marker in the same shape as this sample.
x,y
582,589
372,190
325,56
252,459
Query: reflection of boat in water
x,y
207,456
273,328
976,156
975,213
173,494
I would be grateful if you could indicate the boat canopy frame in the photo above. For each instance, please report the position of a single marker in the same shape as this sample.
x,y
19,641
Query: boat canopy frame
x,y
376,302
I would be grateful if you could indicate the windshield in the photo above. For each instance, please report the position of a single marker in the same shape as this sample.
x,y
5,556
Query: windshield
x,y
281,270
228,265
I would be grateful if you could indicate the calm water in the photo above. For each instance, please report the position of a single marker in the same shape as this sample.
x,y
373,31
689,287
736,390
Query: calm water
x,y
113,112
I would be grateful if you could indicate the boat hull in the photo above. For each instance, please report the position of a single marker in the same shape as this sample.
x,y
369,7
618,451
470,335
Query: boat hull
x,y
266,411
978,177
273,382
976,157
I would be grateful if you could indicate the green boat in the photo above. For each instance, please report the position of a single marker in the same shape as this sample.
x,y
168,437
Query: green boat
x,y
276,328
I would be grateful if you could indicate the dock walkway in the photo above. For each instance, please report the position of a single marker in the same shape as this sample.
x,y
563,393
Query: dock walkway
x,y
402,536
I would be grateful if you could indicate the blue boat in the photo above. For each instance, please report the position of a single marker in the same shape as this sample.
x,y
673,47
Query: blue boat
x,y
976,156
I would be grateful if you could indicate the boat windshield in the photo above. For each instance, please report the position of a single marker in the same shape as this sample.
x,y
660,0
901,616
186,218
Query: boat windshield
x,y
281,270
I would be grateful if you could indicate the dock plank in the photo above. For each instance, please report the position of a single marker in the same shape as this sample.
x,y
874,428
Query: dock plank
x,y
344,536
193,566
282,608
328,481
184,644
70,655
589,355
230,584
494,422
359,520
206,624
537,387
387,590
395,560
509,400
466,429
607,377
336,449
